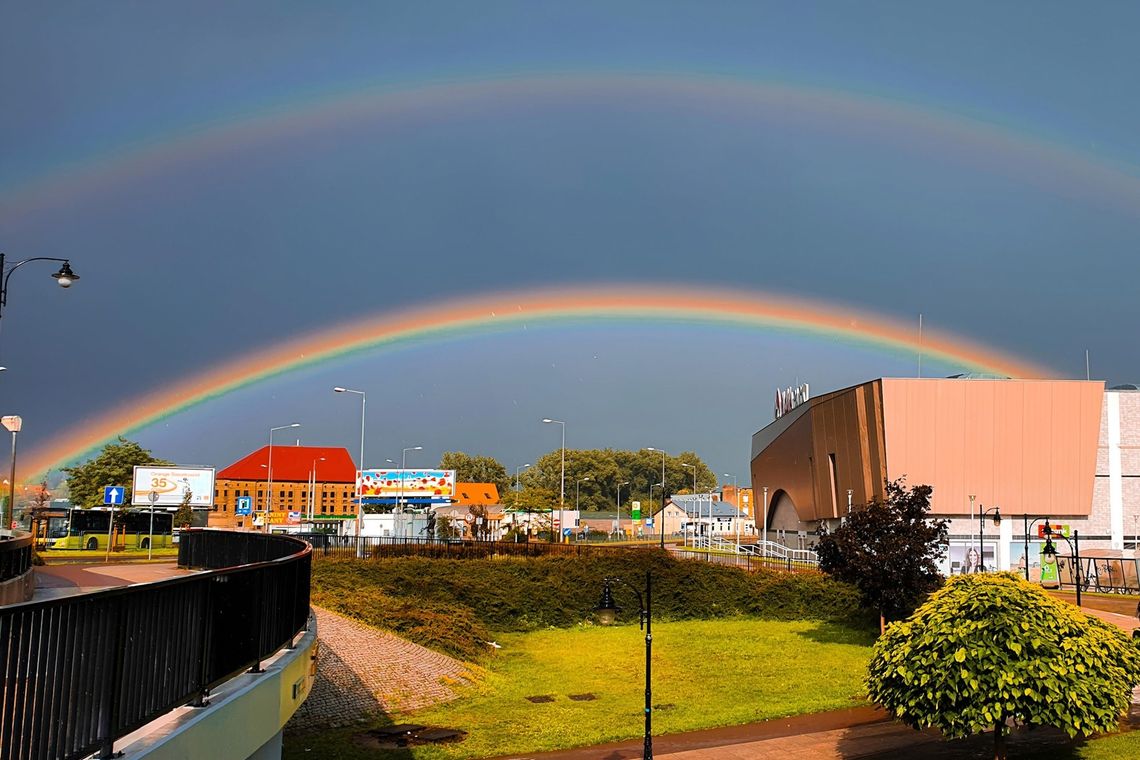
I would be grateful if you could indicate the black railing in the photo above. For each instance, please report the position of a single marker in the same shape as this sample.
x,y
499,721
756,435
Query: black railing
x,y
81,671
1110,575
325,545
15,556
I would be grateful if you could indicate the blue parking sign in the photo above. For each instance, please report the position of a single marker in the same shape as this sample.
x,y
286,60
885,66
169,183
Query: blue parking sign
x,y
244,505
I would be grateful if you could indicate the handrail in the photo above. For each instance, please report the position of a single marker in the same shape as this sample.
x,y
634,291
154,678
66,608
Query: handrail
x,y
15,554
79,672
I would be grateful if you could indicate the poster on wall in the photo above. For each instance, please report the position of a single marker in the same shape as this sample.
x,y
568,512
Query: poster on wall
x,y
1017,559
963,558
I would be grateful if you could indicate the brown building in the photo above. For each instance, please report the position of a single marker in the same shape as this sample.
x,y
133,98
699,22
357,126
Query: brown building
x,y
1064,449
294,470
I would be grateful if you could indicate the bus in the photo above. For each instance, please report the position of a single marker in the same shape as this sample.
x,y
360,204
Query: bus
x,y
89,529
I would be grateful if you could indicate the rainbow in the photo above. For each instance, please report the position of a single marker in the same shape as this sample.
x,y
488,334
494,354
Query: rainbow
x,y
1064,170
516,310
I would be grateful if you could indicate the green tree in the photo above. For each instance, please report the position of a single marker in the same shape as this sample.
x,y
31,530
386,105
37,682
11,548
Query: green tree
x,y
184,515
889,550
112,466
989,649
476,469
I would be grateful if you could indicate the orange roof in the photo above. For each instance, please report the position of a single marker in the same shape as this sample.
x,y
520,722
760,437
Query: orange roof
x,y
476,494
294,464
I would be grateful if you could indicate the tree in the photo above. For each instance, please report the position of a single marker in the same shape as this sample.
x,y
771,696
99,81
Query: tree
x,y
990,648
889,550
476,469
184,515
112,466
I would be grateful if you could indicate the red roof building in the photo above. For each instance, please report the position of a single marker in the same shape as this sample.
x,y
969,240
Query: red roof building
x,y
294,467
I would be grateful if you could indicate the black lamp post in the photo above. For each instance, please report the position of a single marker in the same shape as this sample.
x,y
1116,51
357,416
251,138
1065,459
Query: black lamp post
x,y
1029,524
607,610
64,276
1074,547
982,512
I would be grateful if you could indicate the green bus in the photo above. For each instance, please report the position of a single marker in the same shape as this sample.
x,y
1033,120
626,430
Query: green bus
x,y
90,528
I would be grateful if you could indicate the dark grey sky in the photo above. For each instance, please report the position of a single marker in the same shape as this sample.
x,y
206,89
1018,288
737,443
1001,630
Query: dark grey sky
x,y
195,260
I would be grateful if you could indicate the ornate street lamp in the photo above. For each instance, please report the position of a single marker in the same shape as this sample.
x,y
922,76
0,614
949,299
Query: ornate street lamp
x,y
982,512
607,611
1074,546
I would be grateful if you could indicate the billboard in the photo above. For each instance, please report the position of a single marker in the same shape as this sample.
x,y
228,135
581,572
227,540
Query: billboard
x,y
170,485
407,484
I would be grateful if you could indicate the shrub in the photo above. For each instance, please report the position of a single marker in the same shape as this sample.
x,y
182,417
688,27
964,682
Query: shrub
x,y
990,649
478,597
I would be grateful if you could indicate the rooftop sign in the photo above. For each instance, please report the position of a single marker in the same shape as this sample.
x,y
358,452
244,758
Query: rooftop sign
x,y
789,398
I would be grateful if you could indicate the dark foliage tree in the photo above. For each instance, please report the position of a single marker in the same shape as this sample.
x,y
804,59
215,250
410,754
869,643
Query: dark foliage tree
x,y
184,515
476,469
112,466
889,550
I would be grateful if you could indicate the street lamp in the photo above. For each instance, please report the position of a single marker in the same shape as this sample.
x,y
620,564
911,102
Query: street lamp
x,y
736,498
1029,524
696,501
13,423
650,448
65,277
360,472
269,472
619,485
982,512
562,480
764,540
403,464
313,491
607,611
1074,546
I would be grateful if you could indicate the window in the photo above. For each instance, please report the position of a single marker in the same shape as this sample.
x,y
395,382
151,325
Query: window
x,y
834,494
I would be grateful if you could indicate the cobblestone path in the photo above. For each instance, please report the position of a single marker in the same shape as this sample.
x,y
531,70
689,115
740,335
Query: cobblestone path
x,y
362,672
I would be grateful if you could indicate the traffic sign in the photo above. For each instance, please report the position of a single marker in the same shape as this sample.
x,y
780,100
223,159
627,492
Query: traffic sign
x,y
294,518
244,505
113,494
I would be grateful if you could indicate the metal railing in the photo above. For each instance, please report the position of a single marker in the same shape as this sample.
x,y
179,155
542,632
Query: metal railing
x,y
81,671
1109,575
15,555
325,545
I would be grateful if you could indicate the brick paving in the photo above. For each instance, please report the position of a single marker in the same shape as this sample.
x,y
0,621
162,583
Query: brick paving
x,y
363,672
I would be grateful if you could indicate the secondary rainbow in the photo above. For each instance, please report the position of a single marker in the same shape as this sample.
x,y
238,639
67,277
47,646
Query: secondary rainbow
x,y
1065,170
508,311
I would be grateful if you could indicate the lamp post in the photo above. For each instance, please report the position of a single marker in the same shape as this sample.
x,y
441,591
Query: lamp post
x,y
764,540
313,490
65,277
403,465
13,423
360,471
562,480
269,472
607,611
736,499
577,495
982,512
1074,547
619,485
519,469
152,498
650,448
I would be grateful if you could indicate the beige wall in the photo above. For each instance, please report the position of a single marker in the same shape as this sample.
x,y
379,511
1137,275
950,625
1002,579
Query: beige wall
x,y
1028,446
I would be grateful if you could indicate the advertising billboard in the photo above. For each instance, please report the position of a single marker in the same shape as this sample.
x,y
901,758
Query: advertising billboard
x,y
408,484
170,485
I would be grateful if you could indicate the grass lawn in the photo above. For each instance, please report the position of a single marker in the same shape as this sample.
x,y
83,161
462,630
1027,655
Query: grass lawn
x,y
705,674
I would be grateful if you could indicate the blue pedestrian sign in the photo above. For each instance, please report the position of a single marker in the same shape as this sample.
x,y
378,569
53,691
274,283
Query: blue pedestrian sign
x,y
244,505
113,494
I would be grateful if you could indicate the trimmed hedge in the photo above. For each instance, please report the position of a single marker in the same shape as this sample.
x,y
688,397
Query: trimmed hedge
x,y
454,606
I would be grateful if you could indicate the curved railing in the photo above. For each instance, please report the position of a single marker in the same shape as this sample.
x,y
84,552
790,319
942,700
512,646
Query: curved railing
x,y
81,671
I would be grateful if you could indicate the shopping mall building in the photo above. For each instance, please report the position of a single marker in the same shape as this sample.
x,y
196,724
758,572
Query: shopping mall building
x,y
1066,450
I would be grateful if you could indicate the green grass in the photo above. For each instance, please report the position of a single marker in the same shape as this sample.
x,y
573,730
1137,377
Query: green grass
x,y
713,672
1118,747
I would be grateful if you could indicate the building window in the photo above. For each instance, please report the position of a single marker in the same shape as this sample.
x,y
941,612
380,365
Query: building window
x,y
834,489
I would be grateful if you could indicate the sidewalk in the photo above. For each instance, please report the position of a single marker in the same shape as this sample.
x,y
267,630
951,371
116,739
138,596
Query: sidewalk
x,y
65,580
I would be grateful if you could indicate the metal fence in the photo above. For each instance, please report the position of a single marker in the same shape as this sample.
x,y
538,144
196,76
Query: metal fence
x,y
381,547
15,555
81,671
1110,575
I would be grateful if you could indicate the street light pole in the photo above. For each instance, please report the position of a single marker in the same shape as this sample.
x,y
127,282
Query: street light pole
x,y
519,469
65,277
562,481
403,464
150,539
269,473
736,498
313,491
13,423
607,611
577,495
662,515
764,541
360,471
982,512
619,485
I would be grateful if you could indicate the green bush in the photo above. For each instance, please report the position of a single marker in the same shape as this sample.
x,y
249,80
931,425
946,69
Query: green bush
x,y
988,650
455,605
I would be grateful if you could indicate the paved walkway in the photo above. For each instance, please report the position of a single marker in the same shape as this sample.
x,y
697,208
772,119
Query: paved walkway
x,y
362,671
65,580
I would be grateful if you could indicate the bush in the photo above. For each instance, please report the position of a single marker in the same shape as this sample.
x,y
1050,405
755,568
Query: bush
x,y
991,649
455,605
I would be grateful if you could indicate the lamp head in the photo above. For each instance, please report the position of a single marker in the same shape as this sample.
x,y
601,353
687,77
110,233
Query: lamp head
x,y
338,389
997,515
607,609
1048,529
1049,550
65,276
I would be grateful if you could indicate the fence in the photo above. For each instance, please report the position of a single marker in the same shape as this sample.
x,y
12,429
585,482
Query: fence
x,y
325,545
15,555
81,671
1110,575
